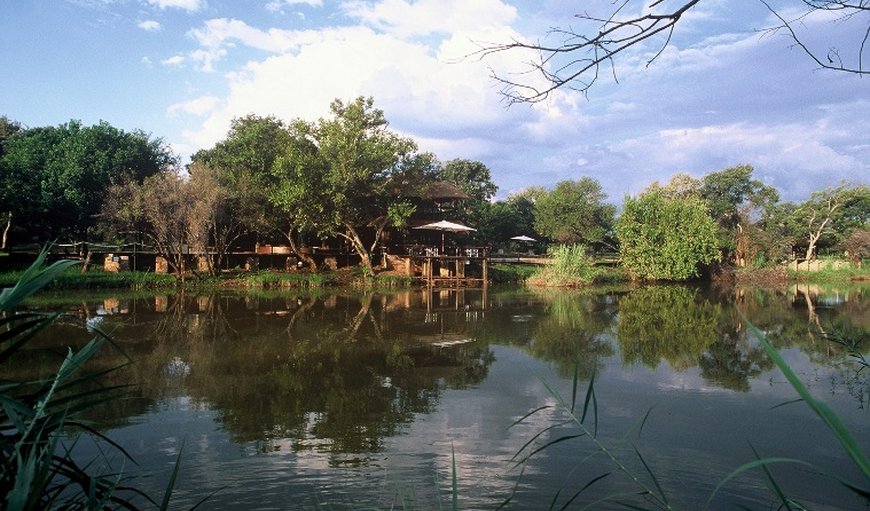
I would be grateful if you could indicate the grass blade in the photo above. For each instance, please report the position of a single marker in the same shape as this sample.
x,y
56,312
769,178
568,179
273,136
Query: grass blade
x,y
831,419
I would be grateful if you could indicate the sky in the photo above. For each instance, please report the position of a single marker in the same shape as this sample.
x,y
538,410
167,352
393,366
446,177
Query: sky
x,y
724,92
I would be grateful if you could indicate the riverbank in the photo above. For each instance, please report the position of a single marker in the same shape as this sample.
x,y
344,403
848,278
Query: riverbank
x,y
353,277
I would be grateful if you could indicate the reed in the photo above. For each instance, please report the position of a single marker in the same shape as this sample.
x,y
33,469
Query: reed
x,y
571,267
37,469
582,416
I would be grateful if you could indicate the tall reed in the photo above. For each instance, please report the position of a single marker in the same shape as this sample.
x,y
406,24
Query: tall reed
x,y
37,469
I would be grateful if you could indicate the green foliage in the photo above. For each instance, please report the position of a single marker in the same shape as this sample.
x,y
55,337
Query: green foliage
x,y
37,470
731,193
73,278
57,177
498,222
334,175
830,215
670,323
663,238
571,267
575,212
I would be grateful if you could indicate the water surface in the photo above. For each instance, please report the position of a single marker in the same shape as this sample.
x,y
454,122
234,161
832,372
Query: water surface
x,y
293,400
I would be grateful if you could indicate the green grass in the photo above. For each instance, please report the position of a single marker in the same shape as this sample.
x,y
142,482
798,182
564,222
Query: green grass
x,y
71,277
573,267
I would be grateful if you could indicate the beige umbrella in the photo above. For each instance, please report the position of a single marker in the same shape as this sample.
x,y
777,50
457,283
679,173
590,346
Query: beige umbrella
x,y
446,226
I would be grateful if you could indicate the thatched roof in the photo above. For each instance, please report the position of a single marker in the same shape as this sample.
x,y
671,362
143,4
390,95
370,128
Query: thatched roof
x,y
435,190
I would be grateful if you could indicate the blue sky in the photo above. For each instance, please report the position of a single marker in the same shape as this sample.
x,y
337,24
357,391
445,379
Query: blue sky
x,y
723,93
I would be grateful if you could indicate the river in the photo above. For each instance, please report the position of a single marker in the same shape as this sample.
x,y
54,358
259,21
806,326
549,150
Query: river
x,y
357,400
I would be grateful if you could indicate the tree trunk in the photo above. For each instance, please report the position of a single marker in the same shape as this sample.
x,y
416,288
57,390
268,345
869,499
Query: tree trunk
x,y
6,230
305,258
359,248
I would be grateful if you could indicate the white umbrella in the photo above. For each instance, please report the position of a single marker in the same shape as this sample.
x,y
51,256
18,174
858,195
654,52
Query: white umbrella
x,y
445,226
523,238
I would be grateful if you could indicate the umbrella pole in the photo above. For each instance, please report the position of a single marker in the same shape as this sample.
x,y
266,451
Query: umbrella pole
x,y
442,243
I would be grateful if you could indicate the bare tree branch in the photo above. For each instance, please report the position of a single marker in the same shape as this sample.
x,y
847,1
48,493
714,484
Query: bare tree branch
x,y
574,60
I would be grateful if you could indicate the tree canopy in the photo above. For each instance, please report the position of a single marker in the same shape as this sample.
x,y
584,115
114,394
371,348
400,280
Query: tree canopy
x,y
665,238
57,177
575,212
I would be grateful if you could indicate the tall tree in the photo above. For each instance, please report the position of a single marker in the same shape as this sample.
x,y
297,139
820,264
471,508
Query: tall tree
x,y
665,238
571,57
741,206
55,179
832,213
162,211
337,172
242,165
575,212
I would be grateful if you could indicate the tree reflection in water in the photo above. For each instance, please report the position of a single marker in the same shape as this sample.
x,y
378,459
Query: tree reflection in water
x,y
340,374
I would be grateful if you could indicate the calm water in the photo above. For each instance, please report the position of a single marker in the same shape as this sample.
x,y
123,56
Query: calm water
x,y
288,401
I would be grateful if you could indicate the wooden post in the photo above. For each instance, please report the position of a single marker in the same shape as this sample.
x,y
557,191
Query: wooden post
x,y
485,268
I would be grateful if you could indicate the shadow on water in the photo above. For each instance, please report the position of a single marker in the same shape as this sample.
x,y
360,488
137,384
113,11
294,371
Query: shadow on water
x,y
347,378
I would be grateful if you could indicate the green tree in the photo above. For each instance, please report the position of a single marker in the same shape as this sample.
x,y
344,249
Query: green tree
x,y
830,215
507,218
335,177
57,177
241,167
664,238
575,212
741,206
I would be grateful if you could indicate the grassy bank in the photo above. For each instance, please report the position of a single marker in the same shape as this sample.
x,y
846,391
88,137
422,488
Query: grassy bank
x,y
573,267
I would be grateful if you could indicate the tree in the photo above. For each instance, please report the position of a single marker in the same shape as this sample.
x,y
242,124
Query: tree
x,y
857,246
572,56
473,177
55,179
336,173
664,238
833,213
162,211
740,205
240,167
575,212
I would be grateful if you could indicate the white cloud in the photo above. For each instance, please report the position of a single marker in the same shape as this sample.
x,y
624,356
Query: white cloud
x,y
221,32
175,60
276,5
187,5
149,25
404,18
795,158
198,106
424,89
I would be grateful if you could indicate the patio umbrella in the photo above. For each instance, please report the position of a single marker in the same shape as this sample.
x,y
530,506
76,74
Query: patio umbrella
x,y
445,226
523,238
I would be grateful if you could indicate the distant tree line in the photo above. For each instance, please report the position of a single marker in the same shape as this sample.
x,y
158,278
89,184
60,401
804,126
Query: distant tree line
x,y
349,177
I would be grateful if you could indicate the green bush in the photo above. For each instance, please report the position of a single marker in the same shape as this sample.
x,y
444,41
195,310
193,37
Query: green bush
x,y
571,267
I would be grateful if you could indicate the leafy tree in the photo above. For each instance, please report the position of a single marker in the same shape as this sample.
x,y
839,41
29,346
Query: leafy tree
x,y
574,212
832,213
741,206
505,219
572,56
241,167
473,177
57,177
857,245
664,238
335,176
298,188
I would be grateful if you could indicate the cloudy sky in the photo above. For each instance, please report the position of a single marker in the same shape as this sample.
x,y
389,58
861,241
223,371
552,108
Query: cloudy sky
x,y
723,93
